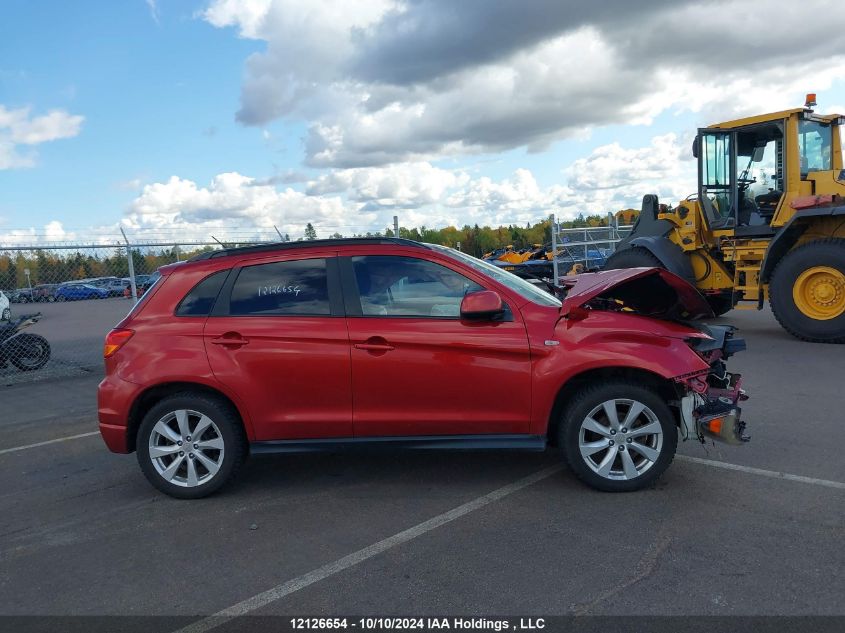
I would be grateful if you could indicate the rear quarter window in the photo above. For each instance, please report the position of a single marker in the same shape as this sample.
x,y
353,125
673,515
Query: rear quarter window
x,y
200,300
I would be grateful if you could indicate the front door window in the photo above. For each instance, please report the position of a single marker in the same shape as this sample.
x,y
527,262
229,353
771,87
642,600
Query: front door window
x,y
409,287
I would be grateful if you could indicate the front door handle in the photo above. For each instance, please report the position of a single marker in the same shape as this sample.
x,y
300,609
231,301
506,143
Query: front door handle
x,y
375,344
230,339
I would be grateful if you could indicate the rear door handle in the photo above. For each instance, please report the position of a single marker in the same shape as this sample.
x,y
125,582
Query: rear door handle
x,y
374,347
233,339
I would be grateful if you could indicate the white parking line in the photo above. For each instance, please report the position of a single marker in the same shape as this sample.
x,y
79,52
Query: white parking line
x,y
774,474
330,569
55,441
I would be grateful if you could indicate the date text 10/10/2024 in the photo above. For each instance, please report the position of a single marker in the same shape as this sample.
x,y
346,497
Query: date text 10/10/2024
x,y
418,624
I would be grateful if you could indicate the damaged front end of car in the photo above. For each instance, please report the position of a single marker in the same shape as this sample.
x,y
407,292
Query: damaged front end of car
x,y
708,399
711,407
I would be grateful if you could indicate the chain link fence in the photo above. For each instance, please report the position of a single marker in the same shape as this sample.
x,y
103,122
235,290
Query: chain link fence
x,y
58,301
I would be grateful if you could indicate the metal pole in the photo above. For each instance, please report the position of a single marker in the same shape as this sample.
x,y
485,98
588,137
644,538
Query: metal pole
x,y
395,226
281,239
556,280
131,267
586,251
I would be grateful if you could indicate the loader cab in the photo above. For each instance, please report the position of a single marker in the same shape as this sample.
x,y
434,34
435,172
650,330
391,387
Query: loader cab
x,y
740,175
750,169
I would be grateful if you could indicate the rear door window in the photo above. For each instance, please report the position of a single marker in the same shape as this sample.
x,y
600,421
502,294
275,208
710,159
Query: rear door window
x,y
295,287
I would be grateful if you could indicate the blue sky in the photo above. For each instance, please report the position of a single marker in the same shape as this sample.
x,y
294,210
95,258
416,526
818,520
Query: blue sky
x,y
176,93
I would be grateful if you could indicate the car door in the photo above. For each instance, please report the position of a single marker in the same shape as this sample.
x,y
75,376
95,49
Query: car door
x,y
417,367
278,339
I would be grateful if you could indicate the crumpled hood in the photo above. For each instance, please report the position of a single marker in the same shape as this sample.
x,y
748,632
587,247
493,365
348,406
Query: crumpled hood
x,y
652,292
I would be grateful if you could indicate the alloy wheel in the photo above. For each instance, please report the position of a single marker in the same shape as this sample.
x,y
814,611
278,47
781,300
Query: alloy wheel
x,y
620,439
186,448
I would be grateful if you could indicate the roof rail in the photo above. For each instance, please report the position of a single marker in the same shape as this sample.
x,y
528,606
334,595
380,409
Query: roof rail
x,y
276,246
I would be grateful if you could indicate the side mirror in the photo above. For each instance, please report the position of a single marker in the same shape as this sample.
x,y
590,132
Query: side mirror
x,y
484,304
695,145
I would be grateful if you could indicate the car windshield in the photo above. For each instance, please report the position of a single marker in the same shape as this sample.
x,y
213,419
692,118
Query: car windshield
x,y
518,285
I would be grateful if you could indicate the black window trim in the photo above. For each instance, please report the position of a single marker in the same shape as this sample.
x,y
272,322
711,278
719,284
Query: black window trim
x,y
222,305
352,296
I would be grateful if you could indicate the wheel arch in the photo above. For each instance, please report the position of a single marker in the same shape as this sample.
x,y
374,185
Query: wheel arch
x,y
148,398
790,233
664,386
670,255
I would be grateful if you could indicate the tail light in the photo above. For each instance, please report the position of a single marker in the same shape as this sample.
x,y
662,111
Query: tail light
x,y
116,339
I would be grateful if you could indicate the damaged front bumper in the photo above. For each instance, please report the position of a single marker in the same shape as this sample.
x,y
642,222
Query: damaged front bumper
x,y
710,407
716,417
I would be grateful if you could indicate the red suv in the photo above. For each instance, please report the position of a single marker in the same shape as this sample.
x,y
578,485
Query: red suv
x,y
339,344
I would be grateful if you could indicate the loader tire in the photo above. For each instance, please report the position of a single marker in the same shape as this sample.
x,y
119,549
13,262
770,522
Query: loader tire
x,y
634,257
807,291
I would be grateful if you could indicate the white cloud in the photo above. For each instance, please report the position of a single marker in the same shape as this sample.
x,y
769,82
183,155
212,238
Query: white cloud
x,y
18,128
246,15
153,7
53,231
365,199
133,184
354,201
405,186
382,82
232,203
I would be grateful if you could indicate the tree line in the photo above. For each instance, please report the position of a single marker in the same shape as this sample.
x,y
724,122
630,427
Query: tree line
x,y
477,240
54,266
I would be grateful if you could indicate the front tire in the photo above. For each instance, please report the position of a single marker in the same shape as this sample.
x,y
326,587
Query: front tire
x,y
190,444
807,291
618,436
7,314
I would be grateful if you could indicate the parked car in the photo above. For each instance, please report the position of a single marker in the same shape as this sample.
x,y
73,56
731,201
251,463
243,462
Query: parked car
x,y
44,292
21,295
114,286
142,282
73,292
5,307
342,344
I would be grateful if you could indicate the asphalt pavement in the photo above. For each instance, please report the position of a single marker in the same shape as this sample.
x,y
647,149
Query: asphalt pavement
x,y
81,531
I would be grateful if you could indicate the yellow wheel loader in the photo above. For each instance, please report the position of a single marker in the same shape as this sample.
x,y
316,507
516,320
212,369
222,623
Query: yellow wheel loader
x,y
767,223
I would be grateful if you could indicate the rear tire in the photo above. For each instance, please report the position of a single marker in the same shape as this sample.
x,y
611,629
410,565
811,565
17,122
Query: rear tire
x,y
625,454
635,257
807,291
181,464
